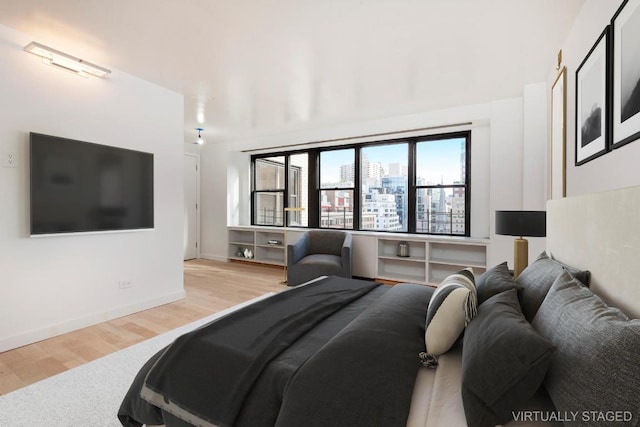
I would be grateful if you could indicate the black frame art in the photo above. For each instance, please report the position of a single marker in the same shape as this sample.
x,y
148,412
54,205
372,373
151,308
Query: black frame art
x,y
593,101
625,121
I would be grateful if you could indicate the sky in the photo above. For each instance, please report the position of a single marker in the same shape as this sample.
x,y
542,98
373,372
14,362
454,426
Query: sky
x,y
436,160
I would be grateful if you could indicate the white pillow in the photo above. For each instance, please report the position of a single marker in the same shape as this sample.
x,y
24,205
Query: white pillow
x,y
452,306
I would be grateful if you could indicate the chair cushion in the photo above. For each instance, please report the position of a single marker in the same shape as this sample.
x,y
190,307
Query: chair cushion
x,y
324,260
326,241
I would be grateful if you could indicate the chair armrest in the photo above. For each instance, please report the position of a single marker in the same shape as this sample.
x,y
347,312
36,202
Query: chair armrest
x,y
298,250
346,253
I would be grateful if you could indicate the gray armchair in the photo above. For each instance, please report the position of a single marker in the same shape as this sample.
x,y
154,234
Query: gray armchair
x,y
319,253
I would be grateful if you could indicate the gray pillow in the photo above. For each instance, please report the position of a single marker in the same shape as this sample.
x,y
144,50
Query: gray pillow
x,y
583,276
596,366
536,280
495,280
504,361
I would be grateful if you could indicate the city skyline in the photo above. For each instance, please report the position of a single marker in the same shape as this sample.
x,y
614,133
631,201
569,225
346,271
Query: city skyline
x,y
442,164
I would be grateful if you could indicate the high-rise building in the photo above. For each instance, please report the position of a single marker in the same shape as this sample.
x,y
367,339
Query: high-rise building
x,y
384,207
397,185
347,173
370,169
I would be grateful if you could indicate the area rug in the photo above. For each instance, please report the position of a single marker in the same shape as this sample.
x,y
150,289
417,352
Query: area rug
x,y
90,394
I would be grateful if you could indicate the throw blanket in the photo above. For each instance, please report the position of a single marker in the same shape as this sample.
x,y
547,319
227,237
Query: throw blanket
x,y
204,376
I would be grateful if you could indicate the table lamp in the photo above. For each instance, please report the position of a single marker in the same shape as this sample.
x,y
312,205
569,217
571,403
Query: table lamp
x,y
521,224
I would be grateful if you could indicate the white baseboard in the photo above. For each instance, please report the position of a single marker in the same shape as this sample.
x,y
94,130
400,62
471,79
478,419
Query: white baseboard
x,y
36,335
213,257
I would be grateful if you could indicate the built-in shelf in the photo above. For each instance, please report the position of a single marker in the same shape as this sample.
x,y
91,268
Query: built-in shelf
x,y
257,241
446,258
404,269
403,259
430,259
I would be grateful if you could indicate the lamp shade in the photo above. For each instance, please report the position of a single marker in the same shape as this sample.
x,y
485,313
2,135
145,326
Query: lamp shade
x,y
521,223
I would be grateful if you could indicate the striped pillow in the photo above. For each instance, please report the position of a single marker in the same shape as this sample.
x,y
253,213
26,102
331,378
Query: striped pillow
x,y
452,306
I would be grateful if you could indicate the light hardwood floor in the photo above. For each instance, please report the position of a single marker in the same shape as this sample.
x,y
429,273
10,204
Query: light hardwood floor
x,y
210,287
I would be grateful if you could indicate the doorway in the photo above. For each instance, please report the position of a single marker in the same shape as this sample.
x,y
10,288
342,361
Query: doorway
x,y
191,206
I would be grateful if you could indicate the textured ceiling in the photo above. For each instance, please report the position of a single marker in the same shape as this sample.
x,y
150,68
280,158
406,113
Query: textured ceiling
x,y
251,68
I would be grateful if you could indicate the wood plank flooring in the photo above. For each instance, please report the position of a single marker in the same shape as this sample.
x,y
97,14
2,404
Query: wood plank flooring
x,y
210,286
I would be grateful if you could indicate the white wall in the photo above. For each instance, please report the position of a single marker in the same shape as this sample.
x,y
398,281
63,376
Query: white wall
x,y
508,164
618,168
213,234
238,188
52,285
518,164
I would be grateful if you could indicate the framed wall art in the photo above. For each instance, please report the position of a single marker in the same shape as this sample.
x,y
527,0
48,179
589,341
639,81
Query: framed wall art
x,y
626,73
558,135
592,102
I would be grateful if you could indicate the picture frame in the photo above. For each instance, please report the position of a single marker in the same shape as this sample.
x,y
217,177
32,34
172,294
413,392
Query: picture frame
x,y
625,33
558,135
593,102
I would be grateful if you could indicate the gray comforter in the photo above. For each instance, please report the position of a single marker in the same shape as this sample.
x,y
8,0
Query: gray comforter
x,y
355,366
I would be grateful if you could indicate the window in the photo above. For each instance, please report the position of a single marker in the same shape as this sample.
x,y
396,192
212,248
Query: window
x,y
383,187
413,185
268,195
441,186
337,188
298,190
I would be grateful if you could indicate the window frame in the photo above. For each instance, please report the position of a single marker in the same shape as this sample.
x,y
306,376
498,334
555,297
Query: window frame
x,y
356,177
315,189
466,186
410,149
255,192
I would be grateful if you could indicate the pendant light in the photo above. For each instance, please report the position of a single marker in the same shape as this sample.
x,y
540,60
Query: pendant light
x,y
199,141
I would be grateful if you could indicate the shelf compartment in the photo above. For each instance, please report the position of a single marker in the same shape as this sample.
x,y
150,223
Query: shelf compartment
x,y
402,258
281,247
262,237
402,270
245,237
439,272
269,254
458,254
234,247
461,264
388,248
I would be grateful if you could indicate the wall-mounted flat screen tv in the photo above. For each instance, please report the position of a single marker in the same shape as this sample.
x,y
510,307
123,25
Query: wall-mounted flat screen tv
x,y
80,186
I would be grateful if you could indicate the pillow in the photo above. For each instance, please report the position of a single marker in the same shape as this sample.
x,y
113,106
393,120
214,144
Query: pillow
x,y
536,280
504,361
494,281
596,367
583,276
451,308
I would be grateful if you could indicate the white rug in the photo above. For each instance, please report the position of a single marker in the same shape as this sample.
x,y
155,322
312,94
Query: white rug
x,y
88,395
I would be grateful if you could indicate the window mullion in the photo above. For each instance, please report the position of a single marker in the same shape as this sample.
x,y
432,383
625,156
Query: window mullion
x,y
411,189
356,209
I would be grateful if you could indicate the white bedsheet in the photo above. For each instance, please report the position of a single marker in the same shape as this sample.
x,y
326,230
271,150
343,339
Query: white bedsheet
x,y
437,400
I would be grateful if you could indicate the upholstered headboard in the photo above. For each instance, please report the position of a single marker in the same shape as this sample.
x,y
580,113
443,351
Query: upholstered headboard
x,y
600,232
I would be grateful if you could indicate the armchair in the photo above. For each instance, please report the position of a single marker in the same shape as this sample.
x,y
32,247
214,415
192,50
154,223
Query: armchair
x,y
319,253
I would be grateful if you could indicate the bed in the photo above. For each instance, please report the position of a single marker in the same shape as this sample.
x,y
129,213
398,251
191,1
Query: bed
x,y
546,349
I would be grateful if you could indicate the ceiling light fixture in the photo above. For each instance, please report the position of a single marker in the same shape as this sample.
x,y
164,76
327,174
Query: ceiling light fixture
x,y
199,141
52,56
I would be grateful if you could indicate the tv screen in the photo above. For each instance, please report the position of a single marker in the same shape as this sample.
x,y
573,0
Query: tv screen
x,y
81,187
